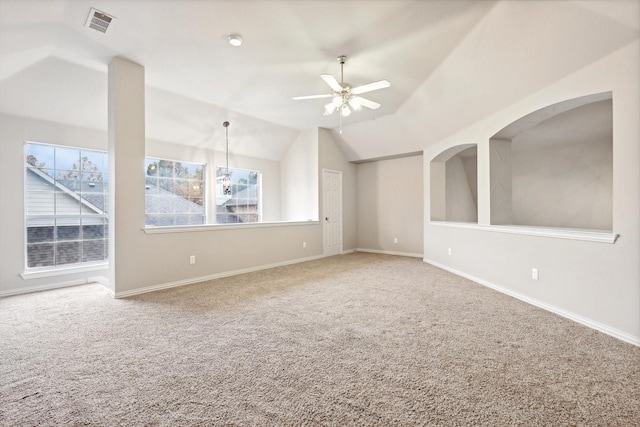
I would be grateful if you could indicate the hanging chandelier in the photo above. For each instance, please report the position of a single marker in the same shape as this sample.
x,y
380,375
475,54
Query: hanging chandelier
x,y
226,180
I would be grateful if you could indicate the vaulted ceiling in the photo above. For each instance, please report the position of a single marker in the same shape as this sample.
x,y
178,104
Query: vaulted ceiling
x,y
449,63
53,67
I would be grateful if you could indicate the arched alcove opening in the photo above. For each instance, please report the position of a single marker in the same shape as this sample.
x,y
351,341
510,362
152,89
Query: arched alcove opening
x,y
454,184
554,167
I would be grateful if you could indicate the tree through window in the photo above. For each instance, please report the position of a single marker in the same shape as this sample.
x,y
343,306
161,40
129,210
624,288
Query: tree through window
x,y
174,193
66,205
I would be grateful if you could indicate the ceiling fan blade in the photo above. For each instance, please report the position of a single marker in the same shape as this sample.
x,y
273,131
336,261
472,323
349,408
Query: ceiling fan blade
x,y
329,109
368,103
370,87
298,98
332,82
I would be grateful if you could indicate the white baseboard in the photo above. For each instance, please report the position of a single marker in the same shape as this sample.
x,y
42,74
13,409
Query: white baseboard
x,y
376,251
210,277
47,287
631,339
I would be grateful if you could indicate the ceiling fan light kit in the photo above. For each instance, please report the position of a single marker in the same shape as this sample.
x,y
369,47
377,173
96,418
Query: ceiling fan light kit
x,y
344,98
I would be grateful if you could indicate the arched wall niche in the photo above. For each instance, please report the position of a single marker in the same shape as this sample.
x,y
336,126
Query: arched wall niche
x,y
454,184
554,167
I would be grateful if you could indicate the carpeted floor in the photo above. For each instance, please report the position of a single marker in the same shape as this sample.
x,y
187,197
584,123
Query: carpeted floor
x,y
358,339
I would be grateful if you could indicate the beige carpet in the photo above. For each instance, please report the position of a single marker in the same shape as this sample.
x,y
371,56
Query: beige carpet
x,y
359,339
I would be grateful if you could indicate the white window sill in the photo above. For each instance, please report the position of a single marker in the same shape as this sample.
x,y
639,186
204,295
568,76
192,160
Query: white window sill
x,y
218,227
60,271
557,233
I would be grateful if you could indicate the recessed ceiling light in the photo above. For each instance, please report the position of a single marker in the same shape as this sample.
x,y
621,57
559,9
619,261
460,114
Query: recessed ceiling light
x,y
235,40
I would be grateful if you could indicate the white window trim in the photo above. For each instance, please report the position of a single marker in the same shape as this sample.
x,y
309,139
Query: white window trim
x,y
48,271
37,273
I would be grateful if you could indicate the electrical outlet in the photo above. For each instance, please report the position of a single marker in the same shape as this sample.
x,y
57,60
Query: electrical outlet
x,y
304,245
192,259
395,240
449,251
534,273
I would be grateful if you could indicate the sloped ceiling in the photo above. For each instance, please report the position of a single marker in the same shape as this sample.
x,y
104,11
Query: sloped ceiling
x,y
54,68
449,63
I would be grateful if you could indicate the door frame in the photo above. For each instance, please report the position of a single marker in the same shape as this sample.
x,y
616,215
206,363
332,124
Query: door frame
x,y
325,252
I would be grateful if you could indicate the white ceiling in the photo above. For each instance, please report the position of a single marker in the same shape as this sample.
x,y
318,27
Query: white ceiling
x,y
54,68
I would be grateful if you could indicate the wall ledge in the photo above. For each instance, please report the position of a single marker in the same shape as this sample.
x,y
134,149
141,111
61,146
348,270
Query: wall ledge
x,y
220,227
61,271
557,233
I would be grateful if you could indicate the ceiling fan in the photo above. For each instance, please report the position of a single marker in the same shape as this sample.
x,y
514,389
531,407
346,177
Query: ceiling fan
x,y
345,98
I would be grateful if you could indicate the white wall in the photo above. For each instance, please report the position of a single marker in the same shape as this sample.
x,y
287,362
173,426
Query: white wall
x,y
390,205
299,176
14,131
570,185
460,205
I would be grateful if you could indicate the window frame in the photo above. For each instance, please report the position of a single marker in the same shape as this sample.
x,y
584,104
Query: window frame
x,y
219,195
175,215
49,173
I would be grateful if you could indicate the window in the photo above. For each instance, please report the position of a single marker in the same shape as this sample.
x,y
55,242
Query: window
x,y
66,206
243,205
174,193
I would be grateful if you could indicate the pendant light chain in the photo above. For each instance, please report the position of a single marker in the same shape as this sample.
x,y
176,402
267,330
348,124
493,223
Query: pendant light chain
x,y
226,130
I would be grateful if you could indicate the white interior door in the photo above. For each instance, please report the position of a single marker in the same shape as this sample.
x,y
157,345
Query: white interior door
x,y
332,211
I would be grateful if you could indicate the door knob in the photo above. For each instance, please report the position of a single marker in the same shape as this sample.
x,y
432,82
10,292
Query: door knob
x,y
326,218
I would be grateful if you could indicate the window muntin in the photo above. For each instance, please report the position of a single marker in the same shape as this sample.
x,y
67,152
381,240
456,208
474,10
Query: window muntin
x,y
174,193
66,199
244,203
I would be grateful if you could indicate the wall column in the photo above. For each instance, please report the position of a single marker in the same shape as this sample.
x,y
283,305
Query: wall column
x,y
501,173
126,169
438,206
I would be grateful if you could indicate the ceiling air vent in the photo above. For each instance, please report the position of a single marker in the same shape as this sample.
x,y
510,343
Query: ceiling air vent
x,y
99,21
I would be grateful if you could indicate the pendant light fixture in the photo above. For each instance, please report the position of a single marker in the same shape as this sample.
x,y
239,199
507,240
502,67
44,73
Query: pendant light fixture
x,y
226,180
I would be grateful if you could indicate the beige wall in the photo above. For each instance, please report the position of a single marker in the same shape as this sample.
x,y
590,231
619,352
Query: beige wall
x,y
570,185
160,259
332,157
390,205
459,199
14,131
596,283
148,261
521,57
298,171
